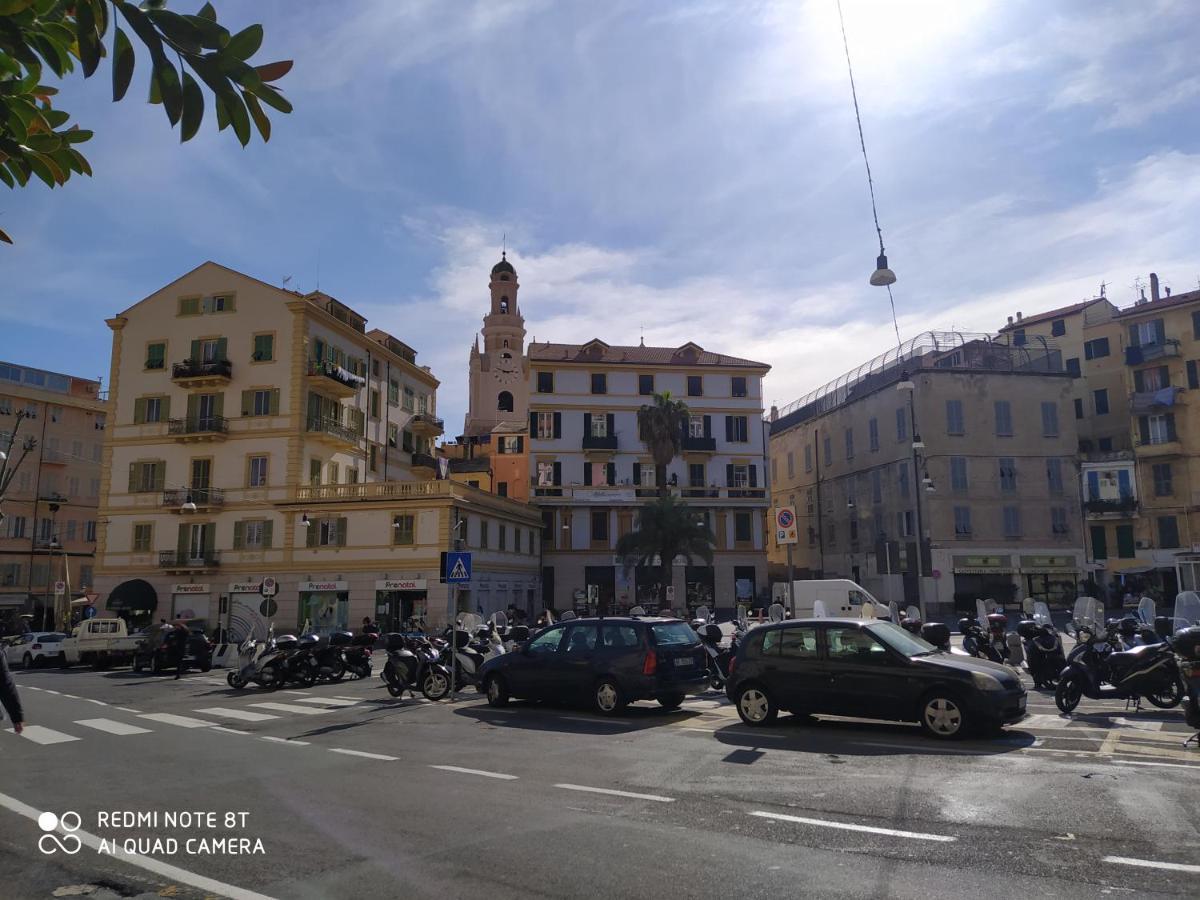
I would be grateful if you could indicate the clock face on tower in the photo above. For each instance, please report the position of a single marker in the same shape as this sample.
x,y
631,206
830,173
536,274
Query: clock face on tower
x,y
507,369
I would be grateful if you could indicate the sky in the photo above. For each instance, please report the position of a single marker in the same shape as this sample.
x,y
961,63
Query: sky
x,y
673,171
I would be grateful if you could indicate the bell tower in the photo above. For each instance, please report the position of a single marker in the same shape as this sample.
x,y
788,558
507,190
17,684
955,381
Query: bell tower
x,y
499,391
504,326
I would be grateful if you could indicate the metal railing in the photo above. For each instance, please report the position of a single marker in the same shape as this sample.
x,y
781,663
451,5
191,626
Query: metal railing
x,y
1143,353
423,461
332,427
699,444
1122,506
427,420
617,493
599,442
208,496
335,373
172,559
198,425
195,368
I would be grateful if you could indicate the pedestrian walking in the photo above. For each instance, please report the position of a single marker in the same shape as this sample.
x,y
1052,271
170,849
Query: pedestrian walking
x,y
369,627
179,650
9,697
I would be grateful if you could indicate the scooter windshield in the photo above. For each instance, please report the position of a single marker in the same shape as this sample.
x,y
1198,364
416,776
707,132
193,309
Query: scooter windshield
x,y
1187,610
1041,613
1146,611
1087,613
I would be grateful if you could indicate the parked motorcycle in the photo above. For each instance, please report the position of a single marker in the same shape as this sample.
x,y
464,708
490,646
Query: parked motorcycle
x,y
976,641
473,644
937,634
910,620
253,656
1042,647
273,665
412,665
1150,671
358,655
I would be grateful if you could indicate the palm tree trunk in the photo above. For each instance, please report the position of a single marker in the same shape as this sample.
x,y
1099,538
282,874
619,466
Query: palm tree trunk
x,y
660,479
665,580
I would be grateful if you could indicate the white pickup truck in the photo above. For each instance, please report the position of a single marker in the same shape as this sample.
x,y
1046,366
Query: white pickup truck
x,y
100,643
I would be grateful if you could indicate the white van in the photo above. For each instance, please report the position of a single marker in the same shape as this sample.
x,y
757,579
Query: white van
x,y
841,597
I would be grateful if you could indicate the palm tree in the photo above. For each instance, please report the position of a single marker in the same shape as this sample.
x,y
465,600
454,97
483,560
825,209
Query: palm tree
x,y
661,426
667,528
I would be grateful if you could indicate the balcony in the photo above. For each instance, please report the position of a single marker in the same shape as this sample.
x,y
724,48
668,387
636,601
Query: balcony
x,y
1151,449
424,464
204,498
1144,353
610,494
53,458
333,379
1147,401
200,373
199,428
426,425
185,562
332,432
1121,508
699,444
599,442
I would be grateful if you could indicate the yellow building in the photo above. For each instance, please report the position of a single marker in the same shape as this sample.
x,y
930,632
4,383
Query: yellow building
x,y
258,434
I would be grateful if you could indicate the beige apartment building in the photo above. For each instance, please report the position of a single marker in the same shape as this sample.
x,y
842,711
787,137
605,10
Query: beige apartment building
x,y
938,473
261,440
48,530
590,470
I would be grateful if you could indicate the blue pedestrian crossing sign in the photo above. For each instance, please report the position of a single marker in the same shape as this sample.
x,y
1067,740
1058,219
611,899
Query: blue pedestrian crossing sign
x,y
458,568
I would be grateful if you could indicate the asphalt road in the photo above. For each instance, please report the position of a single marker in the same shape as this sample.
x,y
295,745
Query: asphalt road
x,y
354,794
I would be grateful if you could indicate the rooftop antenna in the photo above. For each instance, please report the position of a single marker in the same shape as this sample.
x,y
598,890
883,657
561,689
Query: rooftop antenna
x,y
287,279
504,244
642,329
318,268
1103,290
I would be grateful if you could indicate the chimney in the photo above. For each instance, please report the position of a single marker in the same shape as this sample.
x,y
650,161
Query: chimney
x,y
1019,317
1167,291
1153,286
774,412
1010,320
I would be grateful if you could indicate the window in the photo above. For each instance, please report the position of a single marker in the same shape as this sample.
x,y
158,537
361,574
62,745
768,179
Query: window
x,y
410,399
695,386
599,383
547,642
483,533
1054,476
849,443
31,410
545,382
741,527
808,454
1152,379
1008,474
1058,328
1003,418
876,486
393,393
1019,337
1126,547
797,643
645,384
334,472
257,472
1099,542
89,531
1049,419
314,472
1168,532
403,530
1012,522
1157,429
374,403
328,533
256,534
504,401
696,426
954,417
1105,444
393,435
1072,366
145,477
156,355
1078,407
598,424
71,527
152,409
264,348
738,386
791,464
696,475
1162,480
736,429
143,537
904,521
873,434
1100,400
509,444
264,402
1193,374
901,424
958,474
545,425
1142,334
547,473
853,645
599,525
14,526
962,521
902,479
501,488
1096,349
644,474
372,456
1058,521
828,448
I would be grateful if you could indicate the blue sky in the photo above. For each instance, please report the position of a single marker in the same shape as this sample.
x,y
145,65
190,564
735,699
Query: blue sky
x,y
687,169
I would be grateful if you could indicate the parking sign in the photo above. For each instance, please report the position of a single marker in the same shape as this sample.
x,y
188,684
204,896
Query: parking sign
x,y
785,525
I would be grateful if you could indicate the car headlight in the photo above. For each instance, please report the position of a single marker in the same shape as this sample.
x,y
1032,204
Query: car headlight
x,y
986,682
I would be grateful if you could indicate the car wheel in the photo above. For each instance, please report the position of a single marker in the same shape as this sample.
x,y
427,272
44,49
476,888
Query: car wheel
x,y
28,661
943,716
62,661
608,698
235,680
206,666
672,701
1068,694
1168,697
755,707
497,692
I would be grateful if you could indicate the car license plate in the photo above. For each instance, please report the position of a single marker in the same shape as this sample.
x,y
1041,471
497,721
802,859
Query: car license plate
x,y
683,662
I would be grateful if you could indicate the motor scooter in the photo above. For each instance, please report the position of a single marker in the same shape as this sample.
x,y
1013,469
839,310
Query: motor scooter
x,y
1150,671
252,656
1042,647
413,664
358,655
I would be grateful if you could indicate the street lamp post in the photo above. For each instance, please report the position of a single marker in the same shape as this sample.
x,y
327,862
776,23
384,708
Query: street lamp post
x,y
907,385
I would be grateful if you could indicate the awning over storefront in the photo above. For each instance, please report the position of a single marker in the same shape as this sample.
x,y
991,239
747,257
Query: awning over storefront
x,y
983,570
1050,570
135,594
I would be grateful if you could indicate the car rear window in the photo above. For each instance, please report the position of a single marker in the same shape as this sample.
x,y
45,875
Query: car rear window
x,y
51,638
674,634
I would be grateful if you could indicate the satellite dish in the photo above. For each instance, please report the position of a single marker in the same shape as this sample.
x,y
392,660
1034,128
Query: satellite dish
x,y
637,611
819,610
775,613
567,616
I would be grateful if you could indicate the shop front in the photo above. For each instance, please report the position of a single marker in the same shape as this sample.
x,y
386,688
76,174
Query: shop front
x,y
1187,567
401,604
983,578
134,601
699,587
250,611
1053,579
324,606
190,601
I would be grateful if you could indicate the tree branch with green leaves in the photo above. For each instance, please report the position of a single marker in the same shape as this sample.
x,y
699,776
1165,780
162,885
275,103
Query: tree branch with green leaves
x,y
187,53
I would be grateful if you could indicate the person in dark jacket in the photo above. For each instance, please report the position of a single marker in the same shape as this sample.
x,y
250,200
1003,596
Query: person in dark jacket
x,y
179,649
9,697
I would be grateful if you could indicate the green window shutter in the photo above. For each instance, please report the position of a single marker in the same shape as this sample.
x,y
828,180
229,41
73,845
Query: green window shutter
x,y
341,532
209,539
274,401
132,477
587,425
194,353
610,473
222,348
219,405
267,531
239,535
247,402
230,302
193,406
139,410
160,474
165,406
310,537
181,546
587,474
189,306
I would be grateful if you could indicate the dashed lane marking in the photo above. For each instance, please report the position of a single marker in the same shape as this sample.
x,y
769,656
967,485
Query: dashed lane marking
x,y
462,771
136,712
847,826
329,701
279,740
40,734
290,708
244,715
658,798
172,719
1138,762
1151,864
111,726
364,754
225,730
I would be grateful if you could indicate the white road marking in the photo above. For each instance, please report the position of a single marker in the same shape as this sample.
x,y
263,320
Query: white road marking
x,y
166,870
48,691
39,734
297,693
629,794
97,702
926,748
1130,762
290,708
244,715
846,826
329,701
228,730
136,712
463,771
591,721
181,721
279,740
1138,724
363,753
1150,864
112,726
70,696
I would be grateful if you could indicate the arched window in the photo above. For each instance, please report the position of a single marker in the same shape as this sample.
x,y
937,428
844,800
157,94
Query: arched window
x,y
504,276
504,402
506,346
503,304
504,354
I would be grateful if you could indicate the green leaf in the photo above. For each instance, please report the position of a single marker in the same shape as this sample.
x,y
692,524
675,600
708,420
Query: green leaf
x,y
5,177
222,113
55,117
43,143
41,169
4,237
167,78
238,117
76,135
88,40
12,7
122,69
84,166
246,42
178,30
193,108
273,99
143,29
274,71
211,35
260,118
207,12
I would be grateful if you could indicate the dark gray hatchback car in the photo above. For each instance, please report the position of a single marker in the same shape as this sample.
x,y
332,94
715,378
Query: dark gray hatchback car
x,y
872,670
608,662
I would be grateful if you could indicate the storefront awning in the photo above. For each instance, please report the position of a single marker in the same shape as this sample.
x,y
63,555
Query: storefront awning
x,y
1050,571
136,594
983,570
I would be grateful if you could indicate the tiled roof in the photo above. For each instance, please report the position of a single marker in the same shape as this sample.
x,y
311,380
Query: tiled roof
x,y
596,351
1161,303
1052,314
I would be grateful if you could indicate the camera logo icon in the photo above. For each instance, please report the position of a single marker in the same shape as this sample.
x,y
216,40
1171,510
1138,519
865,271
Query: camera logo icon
x,y
50,843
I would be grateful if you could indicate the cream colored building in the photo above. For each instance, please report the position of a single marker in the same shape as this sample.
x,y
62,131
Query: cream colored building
x,y
257,433
48,532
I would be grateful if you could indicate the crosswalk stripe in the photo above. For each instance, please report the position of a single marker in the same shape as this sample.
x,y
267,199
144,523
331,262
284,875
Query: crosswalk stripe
x,y
222,712
290,708
329,701
111,726
171,719
40,734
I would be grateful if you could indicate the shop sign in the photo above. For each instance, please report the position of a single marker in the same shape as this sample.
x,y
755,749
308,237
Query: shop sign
x,y
244,587
189,589
311,586
1047,562
400,584
980,562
